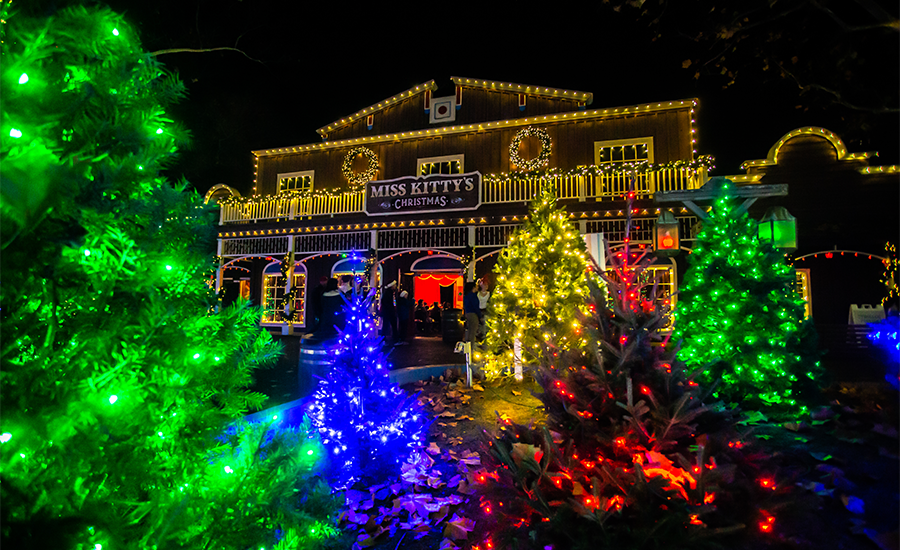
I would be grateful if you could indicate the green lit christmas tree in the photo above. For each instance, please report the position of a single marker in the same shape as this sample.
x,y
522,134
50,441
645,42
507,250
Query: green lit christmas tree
x,y
740,322
631,456
541,283
119,378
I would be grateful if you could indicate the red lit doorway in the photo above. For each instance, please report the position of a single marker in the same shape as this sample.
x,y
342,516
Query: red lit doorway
x,y
438,279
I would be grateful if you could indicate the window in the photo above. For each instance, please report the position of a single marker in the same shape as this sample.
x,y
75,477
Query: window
x,y
450,164
623,150
296,181
664,276
273,294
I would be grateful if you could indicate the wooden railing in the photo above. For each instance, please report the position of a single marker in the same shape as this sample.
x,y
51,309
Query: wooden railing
x,y
277,208
493,191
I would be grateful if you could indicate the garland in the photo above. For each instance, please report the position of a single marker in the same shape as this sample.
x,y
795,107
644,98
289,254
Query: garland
x,y
618,168
468,258
543,157
364,176
705,161
292,295
889,277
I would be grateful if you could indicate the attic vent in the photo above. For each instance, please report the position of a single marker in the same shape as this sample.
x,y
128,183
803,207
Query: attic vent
x,y
443,109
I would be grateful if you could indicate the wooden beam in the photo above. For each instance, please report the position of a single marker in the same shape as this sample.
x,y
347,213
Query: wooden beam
x,y
747,191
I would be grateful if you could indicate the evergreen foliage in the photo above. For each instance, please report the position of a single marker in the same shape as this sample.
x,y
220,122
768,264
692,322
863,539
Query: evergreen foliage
x,y
739,318
630,456
118,378
541,282
368,424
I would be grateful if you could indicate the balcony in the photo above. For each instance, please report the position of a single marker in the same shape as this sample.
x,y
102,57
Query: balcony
x,y
494,190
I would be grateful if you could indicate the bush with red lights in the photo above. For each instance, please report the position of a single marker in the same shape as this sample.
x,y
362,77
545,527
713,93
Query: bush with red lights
x,y
631,455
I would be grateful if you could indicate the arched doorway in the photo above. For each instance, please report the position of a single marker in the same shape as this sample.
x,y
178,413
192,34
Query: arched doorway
x,y
438,279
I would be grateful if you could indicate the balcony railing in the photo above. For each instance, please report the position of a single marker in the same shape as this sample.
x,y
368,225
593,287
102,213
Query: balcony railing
x,y
602,187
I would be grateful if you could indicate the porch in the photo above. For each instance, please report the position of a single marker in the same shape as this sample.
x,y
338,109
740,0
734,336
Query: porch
x,y
496,189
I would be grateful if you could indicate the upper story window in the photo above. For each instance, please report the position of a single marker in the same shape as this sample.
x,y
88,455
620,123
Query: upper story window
x,y
296,181
450,164
623,150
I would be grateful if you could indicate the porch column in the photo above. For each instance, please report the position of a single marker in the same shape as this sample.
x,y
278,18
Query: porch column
x,y
470,271
219,247
288,327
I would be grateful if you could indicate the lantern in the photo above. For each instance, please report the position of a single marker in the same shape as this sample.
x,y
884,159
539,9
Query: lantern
x,y
665,239
779,227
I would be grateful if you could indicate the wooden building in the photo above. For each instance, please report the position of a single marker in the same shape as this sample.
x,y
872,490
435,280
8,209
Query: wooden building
x,y
429,187
425,188
847,209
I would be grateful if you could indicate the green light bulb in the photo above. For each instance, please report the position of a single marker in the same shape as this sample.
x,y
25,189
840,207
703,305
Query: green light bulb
x,y
23,79
115,32
15,133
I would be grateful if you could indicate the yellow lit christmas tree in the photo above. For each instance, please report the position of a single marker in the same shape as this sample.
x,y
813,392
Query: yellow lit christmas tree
x,y
541,280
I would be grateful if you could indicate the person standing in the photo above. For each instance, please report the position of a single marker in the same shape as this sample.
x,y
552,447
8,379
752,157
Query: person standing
x,y
389,310
434,314
346,286
472,312
315,304
483,296
333,311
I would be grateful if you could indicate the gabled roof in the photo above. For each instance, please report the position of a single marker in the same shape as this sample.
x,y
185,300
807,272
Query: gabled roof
x,y
463,128
575,95
418,89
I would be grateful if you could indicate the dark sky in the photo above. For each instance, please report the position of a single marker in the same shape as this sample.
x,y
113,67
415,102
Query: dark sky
x,y
313,63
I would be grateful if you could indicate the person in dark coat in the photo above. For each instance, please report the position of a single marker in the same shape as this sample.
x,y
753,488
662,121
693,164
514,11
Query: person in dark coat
x,y
422,324
404,305
435,315
389,310
333,311
473,312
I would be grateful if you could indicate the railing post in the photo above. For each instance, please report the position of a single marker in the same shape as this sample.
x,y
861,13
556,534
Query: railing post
x,y
582,188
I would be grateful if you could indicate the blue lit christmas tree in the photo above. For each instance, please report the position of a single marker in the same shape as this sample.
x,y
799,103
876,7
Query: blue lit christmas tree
x,y
368,424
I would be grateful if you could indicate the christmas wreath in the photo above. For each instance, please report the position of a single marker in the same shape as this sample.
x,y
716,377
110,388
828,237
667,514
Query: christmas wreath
x,y
543,157
367,174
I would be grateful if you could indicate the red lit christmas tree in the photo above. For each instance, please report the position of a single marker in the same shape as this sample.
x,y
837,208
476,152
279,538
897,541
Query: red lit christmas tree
x,y
630,455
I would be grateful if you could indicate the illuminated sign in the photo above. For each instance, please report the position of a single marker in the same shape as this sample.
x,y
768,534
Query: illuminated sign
x,y
416,195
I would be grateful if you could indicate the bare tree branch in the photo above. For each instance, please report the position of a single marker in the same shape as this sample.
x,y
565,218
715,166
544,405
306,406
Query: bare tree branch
x,y
202,50
837,95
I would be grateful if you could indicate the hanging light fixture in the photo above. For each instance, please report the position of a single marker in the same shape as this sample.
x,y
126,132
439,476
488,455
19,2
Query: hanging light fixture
x,y
665,240
779,227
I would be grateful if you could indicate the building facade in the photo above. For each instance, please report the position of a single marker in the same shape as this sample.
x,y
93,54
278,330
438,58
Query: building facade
x,y
425,189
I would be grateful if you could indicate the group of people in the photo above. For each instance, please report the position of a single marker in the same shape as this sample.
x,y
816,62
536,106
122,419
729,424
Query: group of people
x,y
328,301
428,319
395,309
327,304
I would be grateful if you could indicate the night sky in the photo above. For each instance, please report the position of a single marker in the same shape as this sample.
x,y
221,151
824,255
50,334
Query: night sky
x,y
314,63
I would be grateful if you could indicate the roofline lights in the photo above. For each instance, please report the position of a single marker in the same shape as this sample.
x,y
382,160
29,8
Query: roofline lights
x,y
509,123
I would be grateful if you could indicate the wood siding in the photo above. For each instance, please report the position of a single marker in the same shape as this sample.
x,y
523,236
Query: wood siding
x,y
488,151
478,105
